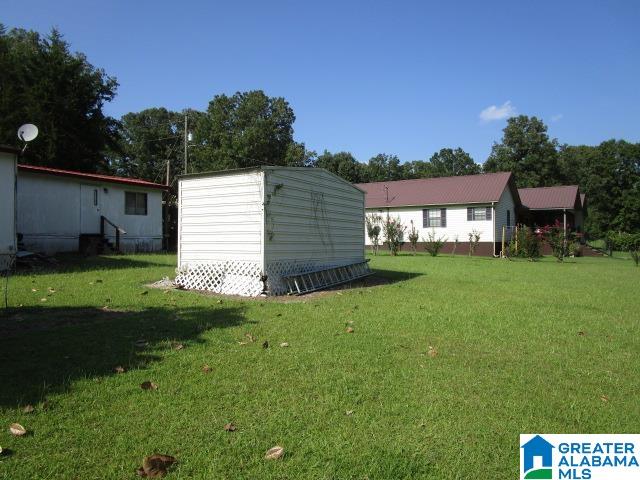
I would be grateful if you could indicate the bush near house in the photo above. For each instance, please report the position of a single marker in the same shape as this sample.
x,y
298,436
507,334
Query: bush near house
x,y
393,233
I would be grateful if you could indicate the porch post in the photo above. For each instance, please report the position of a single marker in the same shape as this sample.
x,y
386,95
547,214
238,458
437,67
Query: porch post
x,y
564,213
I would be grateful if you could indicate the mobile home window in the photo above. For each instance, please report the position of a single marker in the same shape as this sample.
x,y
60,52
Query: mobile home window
x,y
135,203
508,218
478,214
434,217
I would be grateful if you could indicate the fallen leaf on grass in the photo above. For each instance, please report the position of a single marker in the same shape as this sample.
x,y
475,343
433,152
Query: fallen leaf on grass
x,y
251,337
206,369
229,427
119,369
156,465
148,385
432,352
274,453
51,290
34,289
28,409
105,309
348,413
604,398
284,344
242,343
350,330
17,430
178,346
43,299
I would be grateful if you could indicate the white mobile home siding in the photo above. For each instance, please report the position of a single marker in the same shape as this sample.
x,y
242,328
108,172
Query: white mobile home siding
x,y
50,210
220,218
7,208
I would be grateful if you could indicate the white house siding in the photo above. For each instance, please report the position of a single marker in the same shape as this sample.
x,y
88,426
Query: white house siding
x,y
7,209
505,204
50,210
457,224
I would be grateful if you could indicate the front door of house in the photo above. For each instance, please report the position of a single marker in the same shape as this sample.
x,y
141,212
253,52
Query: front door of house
x,y
89,209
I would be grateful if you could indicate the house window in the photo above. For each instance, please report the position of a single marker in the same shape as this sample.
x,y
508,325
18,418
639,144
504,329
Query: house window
x,y
508,218
434,217
478,214
135,203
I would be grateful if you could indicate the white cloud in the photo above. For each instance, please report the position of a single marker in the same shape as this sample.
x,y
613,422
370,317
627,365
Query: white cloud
x,y
557,117
494,112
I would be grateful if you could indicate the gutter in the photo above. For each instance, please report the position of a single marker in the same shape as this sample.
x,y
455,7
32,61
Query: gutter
x,y
493,221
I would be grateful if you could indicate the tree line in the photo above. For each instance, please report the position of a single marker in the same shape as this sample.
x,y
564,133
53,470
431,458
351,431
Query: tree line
x,y
59,90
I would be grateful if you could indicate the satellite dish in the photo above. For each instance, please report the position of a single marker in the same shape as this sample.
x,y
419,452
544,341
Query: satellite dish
x,y
27,132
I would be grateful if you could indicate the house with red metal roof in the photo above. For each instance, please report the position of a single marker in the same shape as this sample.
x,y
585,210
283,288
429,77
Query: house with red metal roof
x,y
451,208
489,203
65,211
548,205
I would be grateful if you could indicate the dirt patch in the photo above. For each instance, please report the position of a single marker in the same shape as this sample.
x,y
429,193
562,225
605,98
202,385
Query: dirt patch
x,y
370,281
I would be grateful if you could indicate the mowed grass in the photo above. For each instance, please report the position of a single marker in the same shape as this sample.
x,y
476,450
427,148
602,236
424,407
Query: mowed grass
x,y
521,347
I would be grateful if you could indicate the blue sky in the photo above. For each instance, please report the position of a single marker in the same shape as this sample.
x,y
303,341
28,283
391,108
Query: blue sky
x,y
404,78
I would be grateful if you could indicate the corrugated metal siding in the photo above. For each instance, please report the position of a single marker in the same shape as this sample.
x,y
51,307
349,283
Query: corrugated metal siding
x,y
220,218
310,215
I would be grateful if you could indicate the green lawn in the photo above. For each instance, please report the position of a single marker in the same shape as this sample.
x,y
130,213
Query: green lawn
x,y
521,347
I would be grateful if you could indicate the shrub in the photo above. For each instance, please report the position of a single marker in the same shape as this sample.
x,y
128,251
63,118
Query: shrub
x,y
456,240
393,233
557,239
413,238
433,244
627,242
373,231
525,244
474,240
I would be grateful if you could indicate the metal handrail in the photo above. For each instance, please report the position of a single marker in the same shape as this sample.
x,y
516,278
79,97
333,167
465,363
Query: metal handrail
x,y
118,230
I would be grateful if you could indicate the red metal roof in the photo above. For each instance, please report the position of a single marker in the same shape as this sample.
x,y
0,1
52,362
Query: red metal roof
x,y
551,198
483,188
95,177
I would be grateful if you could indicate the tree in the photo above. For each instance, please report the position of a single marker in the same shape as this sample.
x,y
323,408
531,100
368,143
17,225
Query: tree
x,y
245,130
148,139
342,164
527,151
44,83
449,162
384,167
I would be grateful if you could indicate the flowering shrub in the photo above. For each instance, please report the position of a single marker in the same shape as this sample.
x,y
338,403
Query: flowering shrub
x,y
474,239
526,243
393,233
433,244
413,238
373,230
557,239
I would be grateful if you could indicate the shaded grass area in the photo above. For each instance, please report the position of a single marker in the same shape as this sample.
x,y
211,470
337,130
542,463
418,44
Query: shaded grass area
x,y
521,347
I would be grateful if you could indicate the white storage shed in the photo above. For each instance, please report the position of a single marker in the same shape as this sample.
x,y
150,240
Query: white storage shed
x,y
8,248
269,230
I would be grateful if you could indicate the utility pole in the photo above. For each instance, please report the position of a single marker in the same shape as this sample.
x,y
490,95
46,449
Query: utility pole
x,y
168,166
186,139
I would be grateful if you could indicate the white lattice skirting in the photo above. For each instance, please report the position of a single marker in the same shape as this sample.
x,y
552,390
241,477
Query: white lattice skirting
x,y
241,278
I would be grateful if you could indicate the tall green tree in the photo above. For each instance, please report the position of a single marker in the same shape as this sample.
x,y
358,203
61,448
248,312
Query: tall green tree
x,y
148,139
342,164
450,162
384,167
44,83
246,129
527,151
